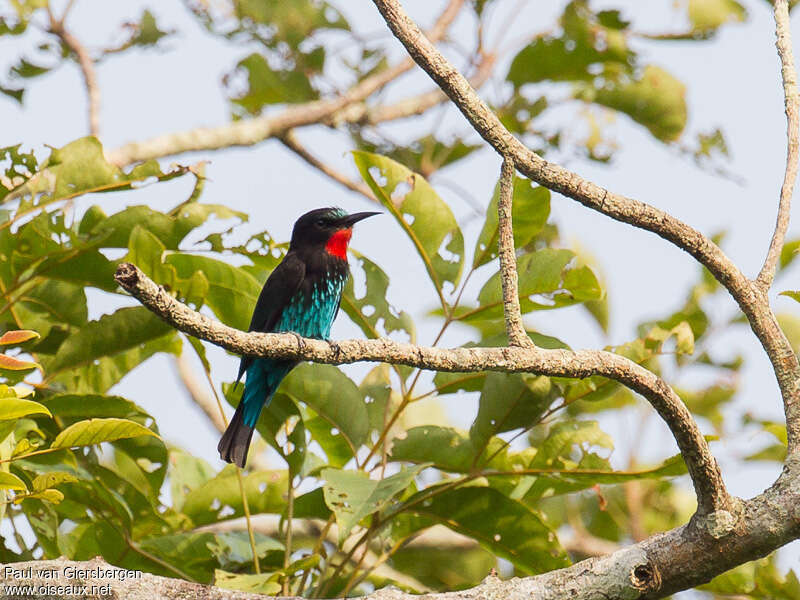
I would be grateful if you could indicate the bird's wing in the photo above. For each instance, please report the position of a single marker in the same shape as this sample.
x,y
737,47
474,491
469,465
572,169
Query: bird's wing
x,y
281,285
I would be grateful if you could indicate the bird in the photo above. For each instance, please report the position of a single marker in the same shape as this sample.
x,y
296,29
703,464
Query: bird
x,y
301,296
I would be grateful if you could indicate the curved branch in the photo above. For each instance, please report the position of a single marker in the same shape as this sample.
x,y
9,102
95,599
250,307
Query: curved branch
x,y
248,132
712,498
508,259
749,296
783,35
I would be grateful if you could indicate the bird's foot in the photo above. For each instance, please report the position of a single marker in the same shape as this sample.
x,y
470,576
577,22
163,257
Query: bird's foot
x,y
337,349
301,345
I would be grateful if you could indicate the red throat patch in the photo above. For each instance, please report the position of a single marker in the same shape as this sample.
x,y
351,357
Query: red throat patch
x,y
337,244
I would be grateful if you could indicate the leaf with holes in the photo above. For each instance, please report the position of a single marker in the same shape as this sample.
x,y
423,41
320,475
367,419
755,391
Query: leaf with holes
x,y
79,168
530,209
548,279
373,310
220,498
423,215
655,99
352,495
333,396
97,431
51,479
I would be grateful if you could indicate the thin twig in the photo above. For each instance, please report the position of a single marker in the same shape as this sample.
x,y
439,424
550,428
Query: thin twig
x,y
515,330
247,132
289,139
783,42
287,555
239,476
86,65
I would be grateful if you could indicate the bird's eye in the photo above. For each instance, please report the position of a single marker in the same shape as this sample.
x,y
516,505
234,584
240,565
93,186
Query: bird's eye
x,y
321,222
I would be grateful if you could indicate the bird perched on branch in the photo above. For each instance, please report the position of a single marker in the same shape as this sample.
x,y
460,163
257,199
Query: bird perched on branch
x,y
302,296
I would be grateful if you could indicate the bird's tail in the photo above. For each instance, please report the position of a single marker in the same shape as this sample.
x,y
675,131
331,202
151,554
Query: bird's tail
x,y
263,378
235,441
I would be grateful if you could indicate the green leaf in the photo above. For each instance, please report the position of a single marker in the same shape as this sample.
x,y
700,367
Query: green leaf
x,y
530,210
170,229
585,49
425,155
654,99
253,584
186,473
220,498
546,281
147,251
706,16
96,431
52,479
447,448
505,527
789,253
102,373
794,295
510,401
423,215
372,312
79,168
333,396
352,495
145,33
125,329
266,85
9,481
15,408
232,292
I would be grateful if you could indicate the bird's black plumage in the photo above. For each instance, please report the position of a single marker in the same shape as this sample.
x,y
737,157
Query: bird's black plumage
x,y
301,295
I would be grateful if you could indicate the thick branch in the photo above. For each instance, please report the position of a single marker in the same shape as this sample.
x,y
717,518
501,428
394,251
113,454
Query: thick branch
x,y
515,330
248,132
703,469
783,34
747,294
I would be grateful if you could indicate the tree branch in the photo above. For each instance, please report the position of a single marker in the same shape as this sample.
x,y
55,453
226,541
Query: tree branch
x,y
289,139
783,35
248,132
749,296
515,330
86,65
703,469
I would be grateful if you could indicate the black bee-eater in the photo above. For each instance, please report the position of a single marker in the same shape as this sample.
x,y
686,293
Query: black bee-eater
x,y
301,295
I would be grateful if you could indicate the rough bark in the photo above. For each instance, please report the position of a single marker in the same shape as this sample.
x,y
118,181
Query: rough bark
x,y
710,490
750,297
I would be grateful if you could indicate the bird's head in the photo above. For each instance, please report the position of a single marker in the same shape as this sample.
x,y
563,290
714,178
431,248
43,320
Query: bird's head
x,y
326,228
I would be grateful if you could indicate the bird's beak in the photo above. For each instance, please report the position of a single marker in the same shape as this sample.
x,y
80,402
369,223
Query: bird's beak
x,y
351,220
